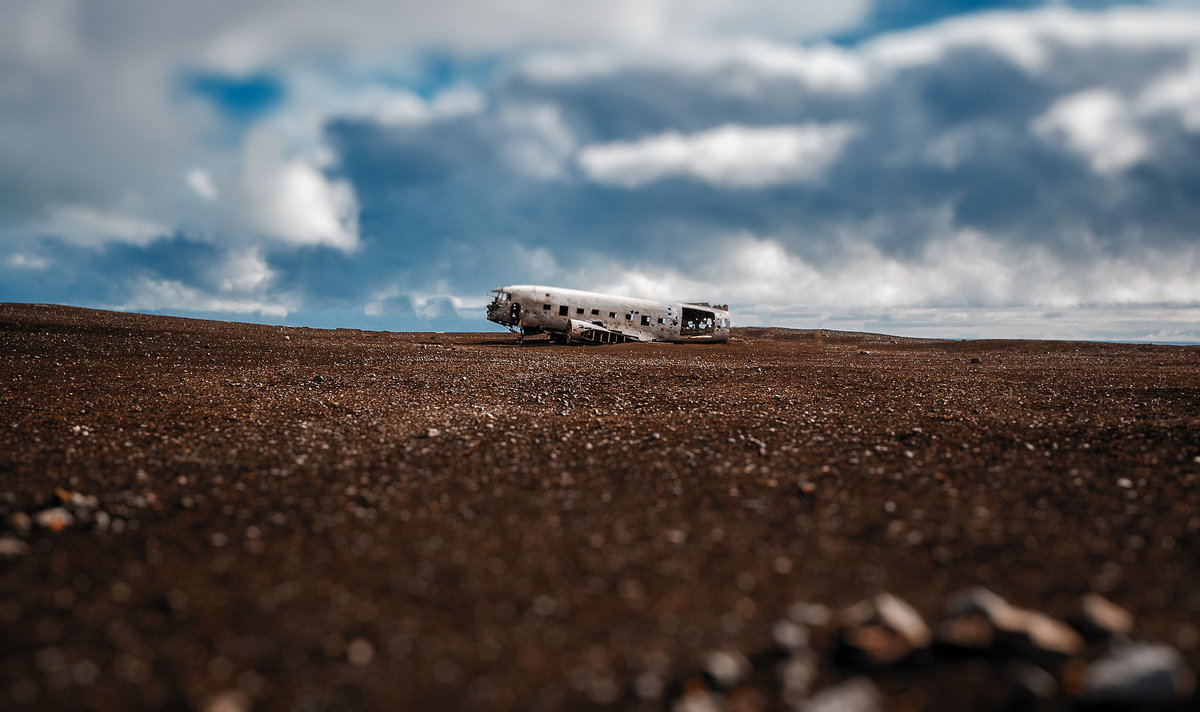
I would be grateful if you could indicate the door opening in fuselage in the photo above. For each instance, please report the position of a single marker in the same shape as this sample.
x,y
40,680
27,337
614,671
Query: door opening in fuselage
x,y
698,322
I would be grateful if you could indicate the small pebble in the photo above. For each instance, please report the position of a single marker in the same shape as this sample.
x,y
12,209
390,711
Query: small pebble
x,y
789,636
1099,615
649,686
724,669
21,523
884,629
814,615
11,547
228,700
360,652
858,694
696,697
796,676
55,519
1022,628
1139,673
1030,683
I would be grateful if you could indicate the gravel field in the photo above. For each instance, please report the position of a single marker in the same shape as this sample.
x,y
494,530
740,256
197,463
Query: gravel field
x,y
228,516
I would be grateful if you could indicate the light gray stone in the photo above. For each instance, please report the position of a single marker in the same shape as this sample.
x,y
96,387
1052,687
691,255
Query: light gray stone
x,y
1139,673
858,694
969,611
884,629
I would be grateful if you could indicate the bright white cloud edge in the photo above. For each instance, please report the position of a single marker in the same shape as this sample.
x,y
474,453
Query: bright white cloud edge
x,y
731,155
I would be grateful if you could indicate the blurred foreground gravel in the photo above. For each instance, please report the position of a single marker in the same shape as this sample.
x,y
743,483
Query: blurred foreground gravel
x,y
230,517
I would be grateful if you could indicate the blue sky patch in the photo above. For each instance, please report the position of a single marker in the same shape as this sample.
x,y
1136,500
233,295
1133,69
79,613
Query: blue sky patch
x,y
239,98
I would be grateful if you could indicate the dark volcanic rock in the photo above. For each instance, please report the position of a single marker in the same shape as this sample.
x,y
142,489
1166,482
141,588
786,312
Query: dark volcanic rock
x,y
1031,685
262,539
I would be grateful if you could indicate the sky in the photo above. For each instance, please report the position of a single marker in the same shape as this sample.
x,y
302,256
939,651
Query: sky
x,y
938,168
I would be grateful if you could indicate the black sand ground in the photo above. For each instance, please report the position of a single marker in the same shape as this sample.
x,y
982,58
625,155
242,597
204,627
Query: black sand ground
x,y
284,518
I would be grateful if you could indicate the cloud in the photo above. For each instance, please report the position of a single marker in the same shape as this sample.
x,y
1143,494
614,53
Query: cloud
x,y
1030,39
279,28
147,294
201,182
744,64
376,161
1176,92
32,263
87,226
963,285
294,201
729,155
1097,124
244,271
536,140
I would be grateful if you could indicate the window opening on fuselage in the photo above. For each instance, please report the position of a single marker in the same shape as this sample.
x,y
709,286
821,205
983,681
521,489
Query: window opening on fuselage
x,y
629,317
612,315
545,307
562,311
595,312
661,320
645,320
578,310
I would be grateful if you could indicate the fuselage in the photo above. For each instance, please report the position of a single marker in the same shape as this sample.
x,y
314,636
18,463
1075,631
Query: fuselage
x,y
592,317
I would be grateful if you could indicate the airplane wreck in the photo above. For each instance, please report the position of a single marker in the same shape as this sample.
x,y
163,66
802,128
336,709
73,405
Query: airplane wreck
x,y
572,316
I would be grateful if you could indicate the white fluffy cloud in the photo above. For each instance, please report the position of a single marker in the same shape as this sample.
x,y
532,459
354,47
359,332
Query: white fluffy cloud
x,y
148,294
290,199
762,276
87,226
743,64
1100,126
963,284
537,142
201,182
243,271
1176,93
1029,39
730,155
278,28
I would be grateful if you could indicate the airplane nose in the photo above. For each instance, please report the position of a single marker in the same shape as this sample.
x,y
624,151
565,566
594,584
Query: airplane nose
x,y
498,312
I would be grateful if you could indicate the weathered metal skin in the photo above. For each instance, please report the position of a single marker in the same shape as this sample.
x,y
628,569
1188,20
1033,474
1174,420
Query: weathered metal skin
x,y
574,316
